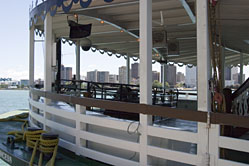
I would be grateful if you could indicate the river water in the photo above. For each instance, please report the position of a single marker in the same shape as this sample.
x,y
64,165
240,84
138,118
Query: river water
x,y
11,100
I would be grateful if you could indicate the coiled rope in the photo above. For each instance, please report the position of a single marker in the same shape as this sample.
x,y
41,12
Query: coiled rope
x,y
34,140
45,146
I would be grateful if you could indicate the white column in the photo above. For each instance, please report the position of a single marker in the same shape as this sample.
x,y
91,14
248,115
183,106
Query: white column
x,y
54,59
203,73
77,51
48,54
145,49
241,68
128,71
31,55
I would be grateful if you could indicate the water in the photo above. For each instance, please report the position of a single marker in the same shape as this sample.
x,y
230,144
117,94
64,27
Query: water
x,y
11,100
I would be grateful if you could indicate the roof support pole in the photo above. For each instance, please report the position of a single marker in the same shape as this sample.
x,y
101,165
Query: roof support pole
x,y
58,64
54,60
241,68
203,76
77,51
145,50
128,69
223,67
163,74
48,54
31,56
188,10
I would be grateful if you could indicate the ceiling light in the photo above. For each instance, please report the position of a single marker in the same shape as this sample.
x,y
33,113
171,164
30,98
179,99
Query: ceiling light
x,y
102,22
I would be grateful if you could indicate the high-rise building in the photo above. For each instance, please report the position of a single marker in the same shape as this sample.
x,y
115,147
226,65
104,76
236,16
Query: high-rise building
x,y
66,73
228,73
98,76
190,79
155,76
236,77
180,77
113,78
234,70
102,76
122,75
92,76
135,70
170,74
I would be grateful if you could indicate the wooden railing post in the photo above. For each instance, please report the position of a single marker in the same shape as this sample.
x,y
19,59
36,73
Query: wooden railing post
x,y
79,126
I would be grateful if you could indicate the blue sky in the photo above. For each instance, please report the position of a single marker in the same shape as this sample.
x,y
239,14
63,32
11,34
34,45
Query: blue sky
x,y
14,47
14,42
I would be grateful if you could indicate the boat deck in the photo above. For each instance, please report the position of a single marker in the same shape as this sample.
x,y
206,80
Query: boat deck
x,y
170,123
20,155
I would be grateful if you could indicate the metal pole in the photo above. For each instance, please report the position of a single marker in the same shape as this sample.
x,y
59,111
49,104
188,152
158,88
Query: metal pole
x,y
128,69
241,68
58,64
31,56
77,50
223,67
163,73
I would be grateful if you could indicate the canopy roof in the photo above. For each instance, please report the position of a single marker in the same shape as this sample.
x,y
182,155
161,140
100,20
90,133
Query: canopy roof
x,y
115,26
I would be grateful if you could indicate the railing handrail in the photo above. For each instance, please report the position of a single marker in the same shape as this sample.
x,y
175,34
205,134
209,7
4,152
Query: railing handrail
x,y
103,83
159,89
241,89
191,115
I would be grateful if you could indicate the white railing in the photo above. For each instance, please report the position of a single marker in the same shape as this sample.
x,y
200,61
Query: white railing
x,y
106,139
240,104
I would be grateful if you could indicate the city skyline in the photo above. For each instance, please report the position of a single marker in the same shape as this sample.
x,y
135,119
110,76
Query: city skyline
x,y
66,73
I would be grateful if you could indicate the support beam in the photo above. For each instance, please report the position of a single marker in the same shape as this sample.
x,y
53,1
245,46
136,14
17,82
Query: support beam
x,y
31,56
77,51
241,68
188,10
128,69
145,49
48,54
203,76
